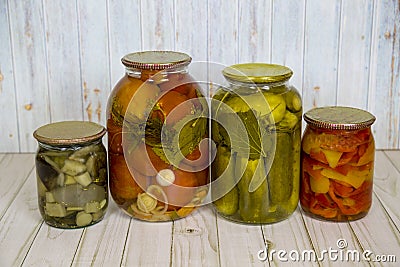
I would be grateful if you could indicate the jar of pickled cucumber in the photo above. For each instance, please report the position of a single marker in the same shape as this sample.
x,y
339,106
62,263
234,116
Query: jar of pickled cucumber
x,y
337,163
157,137
256,127
71,168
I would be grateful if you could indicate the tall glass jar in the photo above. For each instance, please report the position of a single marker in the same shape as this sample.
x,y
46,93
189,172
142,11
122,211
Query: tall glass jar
x,y
256,127
157,127
71,167
337,163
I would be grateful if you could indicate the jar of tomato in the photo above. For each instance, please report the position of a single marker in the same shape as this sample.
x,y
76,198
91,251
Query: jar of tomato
x,y
256,127
157,130
337,163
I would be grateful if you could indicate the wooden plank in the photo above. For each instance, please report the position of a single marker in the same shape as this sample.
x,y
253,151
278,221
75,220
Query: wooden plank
x,y
239,243
30,69
394,156
254,33
148,244
387,186
223,39
53,247
124,35
326,235
63,60
289,235
94,56
21,221
8,106
103,243
158,25
12,176
377,233
354,53
288,37
195,239
321,53
192,39
384,85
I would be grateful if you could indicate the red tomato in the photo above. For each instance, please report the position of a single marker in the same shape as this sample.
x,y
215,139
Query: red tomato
x,y
145,161
170,101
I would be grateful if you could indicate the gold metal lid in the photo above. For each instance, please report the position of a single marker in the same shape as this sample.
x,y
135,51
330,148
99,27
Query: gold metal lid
x,y
257,73
69,132
339,118
156,60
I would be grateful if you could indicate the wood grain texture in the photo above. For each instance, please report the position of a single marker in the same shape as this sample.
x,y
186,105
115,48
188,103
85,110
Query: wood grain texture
x,y
354,53
195,239
124,34
30,69
9,169
23,212
62,47
59,60
94,59
288,37
384,89
9,126
158,25
254,33
321,53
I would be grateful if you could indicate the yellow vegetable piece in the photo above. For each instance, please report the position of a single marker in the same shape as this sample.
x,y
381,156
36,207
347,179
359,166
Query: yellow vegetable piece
x,y
332,157
354,178
320,185
368,156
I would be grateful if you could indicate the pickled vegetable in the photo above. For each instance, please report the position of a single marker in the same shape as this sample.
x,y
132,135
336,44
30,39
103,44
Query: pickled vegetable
x,y
266,168
157,170
337,173
73,187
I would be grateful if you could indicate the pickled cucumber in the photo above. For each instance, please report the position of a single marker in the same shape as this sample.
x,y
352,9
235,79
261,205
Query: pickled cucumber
x,y
223,169
280,176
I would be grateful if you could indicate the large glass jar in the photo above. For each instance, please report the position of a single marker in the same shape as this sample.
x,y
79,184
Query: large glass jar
x,y
337,163
256,127
157,128
71,167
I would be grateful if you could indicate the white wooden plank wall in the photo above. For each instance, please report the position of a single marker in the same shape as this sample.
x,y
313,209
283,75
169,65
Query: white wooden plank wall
x,y
60,59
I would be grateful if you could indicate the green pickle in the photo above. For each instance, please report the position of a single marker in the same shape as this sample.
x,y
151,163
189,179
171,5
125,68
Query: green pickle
x,y
256,178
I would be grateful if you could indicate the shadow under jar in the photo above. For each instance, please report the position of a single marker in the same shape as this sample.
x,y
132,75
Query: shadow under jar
x,y
337,163
157,124
256,126
71,167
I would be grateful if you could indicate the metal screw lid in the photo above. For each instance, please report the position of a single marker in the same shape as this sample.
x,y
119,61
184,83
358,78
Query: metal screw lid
x,y
339,118
69,132
156,60
257,73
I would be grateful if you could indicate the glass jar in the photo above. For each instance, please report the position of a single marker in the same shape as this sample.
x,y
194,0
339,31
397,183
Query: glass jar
x,y
256,127
157,127
337,163
71,168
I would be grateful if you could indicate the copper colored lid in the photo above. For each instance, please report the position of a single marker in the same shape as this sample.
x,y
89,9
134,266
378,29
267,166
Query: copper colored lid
x,y
156,60
69,132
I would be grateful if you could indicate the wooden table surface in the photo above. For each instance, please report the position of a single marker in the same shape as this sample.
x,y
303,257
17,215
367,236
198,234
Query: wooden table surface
x,y
201,239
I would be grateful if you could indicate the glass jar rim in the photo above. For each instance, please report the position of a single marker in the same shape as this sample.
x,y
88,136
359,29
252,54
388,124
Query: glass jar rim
x,y
69,133
156,60
339,118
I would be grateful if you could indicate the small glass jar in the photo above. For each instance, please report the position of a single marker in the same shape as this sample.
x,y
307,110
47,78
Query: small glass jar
x,y
156,122
256,127
71,168
337,163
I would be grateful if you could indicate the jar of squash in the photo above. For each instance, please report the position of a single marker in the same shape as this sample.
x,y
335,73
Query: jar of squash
x,y
337,163
157,137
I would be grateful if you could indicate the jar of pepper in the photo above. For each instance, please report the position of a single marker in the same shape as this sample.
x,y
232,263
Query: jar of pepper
x,y
157,124
337,163
256,127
